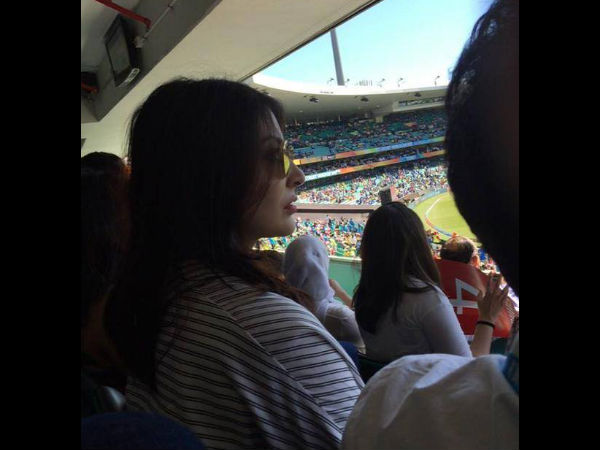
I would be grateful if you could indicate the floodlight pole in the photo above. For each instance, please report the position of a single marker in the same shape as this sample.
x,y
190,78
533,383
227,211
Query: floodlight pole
x,y
336,58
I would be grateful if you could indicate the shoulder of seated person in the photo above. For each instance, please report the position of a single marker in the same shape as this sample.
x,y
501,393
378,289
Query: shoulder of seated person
x,y
282,300
202,278
437,367
435,292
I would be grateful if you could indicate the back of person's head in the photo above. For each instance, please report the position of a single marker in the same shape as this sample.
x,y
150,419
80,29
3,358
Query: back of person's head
x,y
104,226
482,137
306,266
203,156
459,248
393,250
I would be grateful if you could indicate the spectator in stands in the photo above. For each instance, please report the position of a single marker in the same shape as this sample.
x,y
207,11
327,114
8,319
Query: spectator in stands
x,y
464,250
104,242
460,249
400,308
210,337
443,401
306,267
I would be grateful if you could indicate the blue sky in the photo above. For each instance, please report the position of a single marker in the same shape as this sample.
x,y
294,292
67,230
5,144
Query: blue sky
x,y
411,39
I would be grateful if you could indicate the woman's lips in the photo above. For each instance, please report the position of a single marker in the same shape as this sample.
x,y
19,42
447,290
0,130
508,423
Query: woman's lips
x,y
291,208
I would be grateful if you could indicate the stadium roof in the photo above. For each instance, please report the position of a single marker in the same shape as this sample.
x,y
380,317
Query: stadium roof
x,y
220,38
299,102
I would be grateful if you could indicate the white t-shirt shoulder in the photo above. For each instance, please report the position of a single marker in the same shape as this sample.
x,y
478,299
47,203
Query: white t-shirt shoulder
x,y
425,323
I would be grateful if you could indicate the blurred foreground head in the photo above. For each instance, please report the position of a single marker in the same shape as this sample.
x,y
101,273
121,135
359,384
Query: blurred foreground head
x,y
482,138
104,226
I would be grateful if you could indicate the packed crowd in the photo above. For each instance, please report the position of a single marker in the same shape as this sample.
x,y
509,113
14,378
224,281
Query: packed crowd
x,y
354,161
363,189
191,338
420,102
329,138
341,236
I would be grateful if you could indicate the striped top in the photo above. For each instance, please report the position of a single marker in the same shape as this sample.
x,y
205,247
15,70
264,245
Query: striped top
x,y
248,370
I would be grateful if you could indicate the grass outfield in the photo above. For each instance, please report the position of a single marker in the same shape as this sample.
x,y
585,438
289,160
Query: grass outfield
x,y
442,212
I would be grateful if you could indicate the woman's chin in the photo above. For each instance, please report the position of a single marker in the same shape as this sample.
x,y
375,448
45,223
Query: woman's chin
x,y
290,226
284,230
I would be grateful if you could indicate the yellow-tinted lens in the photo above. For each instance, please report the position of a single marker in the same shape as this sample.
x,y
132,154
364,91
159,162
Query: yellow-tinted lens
x,y
286,164
285,149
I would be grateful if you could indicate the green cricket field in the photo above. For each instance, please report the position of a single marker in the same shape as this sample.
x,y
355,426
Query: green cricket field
x,y
441,211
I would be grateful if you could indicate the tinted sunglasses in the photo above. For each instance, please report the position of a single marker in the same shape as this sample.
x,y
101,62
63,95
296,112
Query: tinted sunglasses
x,y
287,154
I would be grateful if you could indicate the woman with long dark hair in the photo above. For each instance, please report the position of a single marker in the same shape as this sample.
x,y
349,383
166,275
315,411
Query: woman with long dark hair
x,y
104,243
400,308
211,336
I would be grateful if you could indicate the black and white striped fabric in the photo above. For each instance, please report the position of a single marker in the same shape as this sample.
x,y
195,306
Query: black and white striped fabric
x,y
248,370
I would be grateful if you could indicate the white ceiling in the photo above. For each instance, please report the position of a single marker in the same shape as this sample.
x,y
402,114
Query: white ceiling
x,y
235,40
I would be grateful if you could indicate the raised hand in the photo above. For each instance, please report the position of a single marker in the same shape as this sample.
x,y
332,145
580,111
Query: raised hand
x,y
493,301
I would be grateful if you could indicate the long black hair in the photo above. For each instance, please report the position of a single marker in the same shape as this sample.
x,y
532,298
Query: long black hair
x,y
104,226
482,135
394,247
196,170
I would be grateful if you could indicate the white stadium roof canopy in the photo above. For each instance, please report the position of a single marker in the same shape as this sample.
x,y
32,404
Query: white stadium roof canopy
x,y
342,101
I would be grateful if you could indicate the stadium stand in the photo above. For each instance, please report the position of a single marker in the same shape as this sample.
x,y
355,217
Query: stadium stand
x,y
342,236
326,166
362,188
220,346
330,138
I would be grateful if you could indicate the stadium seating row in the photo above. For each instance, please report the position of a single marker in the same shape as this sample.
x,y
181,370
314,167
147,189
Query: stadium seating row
x,y
339,136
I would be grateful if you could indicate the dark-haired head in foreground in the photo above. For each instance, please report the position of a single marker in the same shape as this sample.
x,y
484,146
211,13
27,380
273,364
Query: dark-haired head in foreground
x,y
207,180
104,225
105,228
482,137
